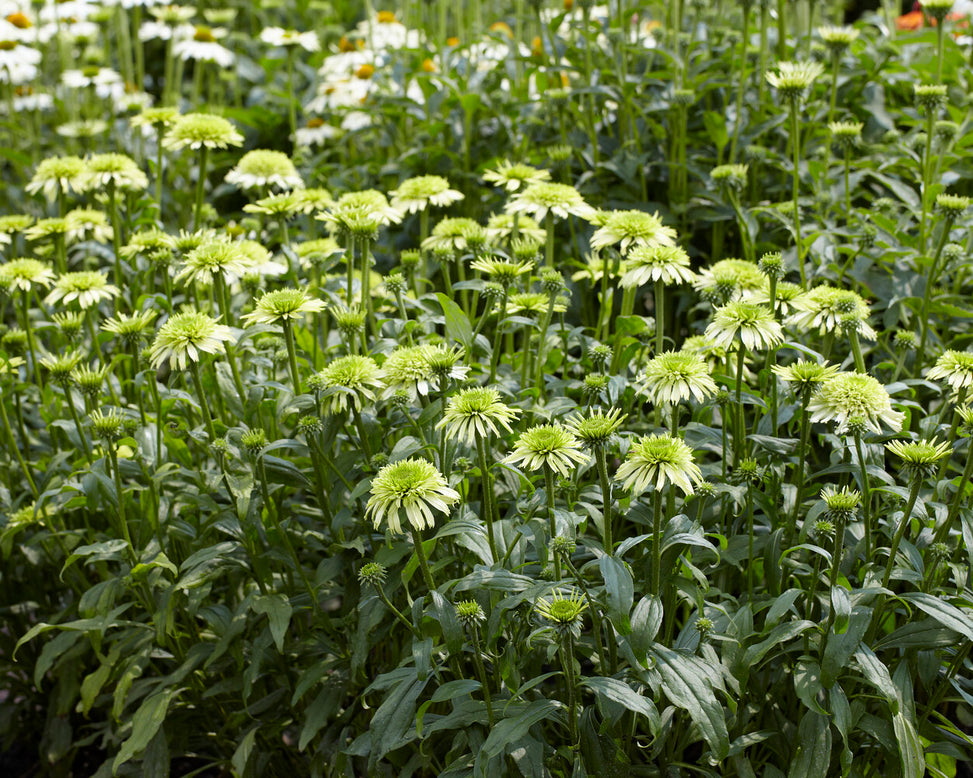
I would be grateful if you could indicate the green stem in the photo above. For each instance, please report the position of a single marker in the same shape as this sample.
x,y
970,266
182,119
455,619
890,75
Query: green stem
x,y
866,496
796,157
656,543
203,404
16,449
292,355
552,524
423,562
486,486
481,672
606,499
200,188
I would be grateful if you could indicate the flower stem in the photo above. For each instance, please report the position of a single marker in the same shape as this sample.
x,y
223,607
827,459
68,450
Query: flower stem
x,y
292,355
203,404
200,188
481,672
423,562
866,496
486,486
796,154
606,499
552,525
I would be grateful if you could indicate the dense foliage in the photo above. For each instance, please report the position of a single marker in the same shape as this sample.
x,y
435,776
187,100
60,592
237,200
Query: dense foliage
x,y
586,393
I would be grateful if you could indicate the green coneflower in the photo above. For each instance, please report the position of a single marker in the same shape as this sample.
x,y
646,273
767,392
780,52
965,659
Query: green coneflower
x,y
734,176
132,329
408,368
201,130
500,228
263,169
502,271
728,278
564,614
88,287
353,380
793,79
283,304
417,194
184,336
595,428
411,485
118,170
547,445
854,396
444,363
666,264
157,118
477,412
937,9
919,458
514,175
47,228
805,375
930,97
58,175
360,214
152,243
449,235
632,228
841,503
13,223
656,461
26,274
69,323
212,258
276,205
674,376
836,38
107,426
753,324
87,223
846,134
538,200
60,367
955,367
824,307
534,302
89,380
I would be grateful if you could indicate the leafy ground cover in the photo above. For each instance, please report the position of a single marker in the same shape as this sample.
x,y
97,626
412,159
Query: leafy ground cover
x,y
463,389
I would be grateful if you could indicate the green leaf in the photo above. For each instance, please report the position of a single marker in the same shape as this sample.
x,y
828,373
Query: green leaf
x,y
841,603
813,754
513,728
620,590
946,614
807,684
325,705
910,747
779,634
458,326
646,622
145,723
841,647
278,610
877,674
242,754
621,693
715,126
688,683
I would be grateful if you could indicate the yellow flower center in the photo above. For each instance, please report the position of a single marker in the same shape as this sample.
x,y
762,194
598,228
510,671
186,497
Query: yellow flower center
x,y
315,122
386,17
428,66
8,45
19,20
502,27
204,34
365,72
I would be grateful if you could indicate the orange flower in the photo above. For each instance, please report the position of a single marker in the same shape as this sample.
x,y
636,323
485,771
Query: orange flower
x,y
910,21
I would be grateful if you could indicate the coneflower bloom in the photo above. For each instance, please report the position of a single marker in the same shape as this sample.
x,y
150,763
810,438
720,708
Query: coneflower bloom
x,y
411,485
